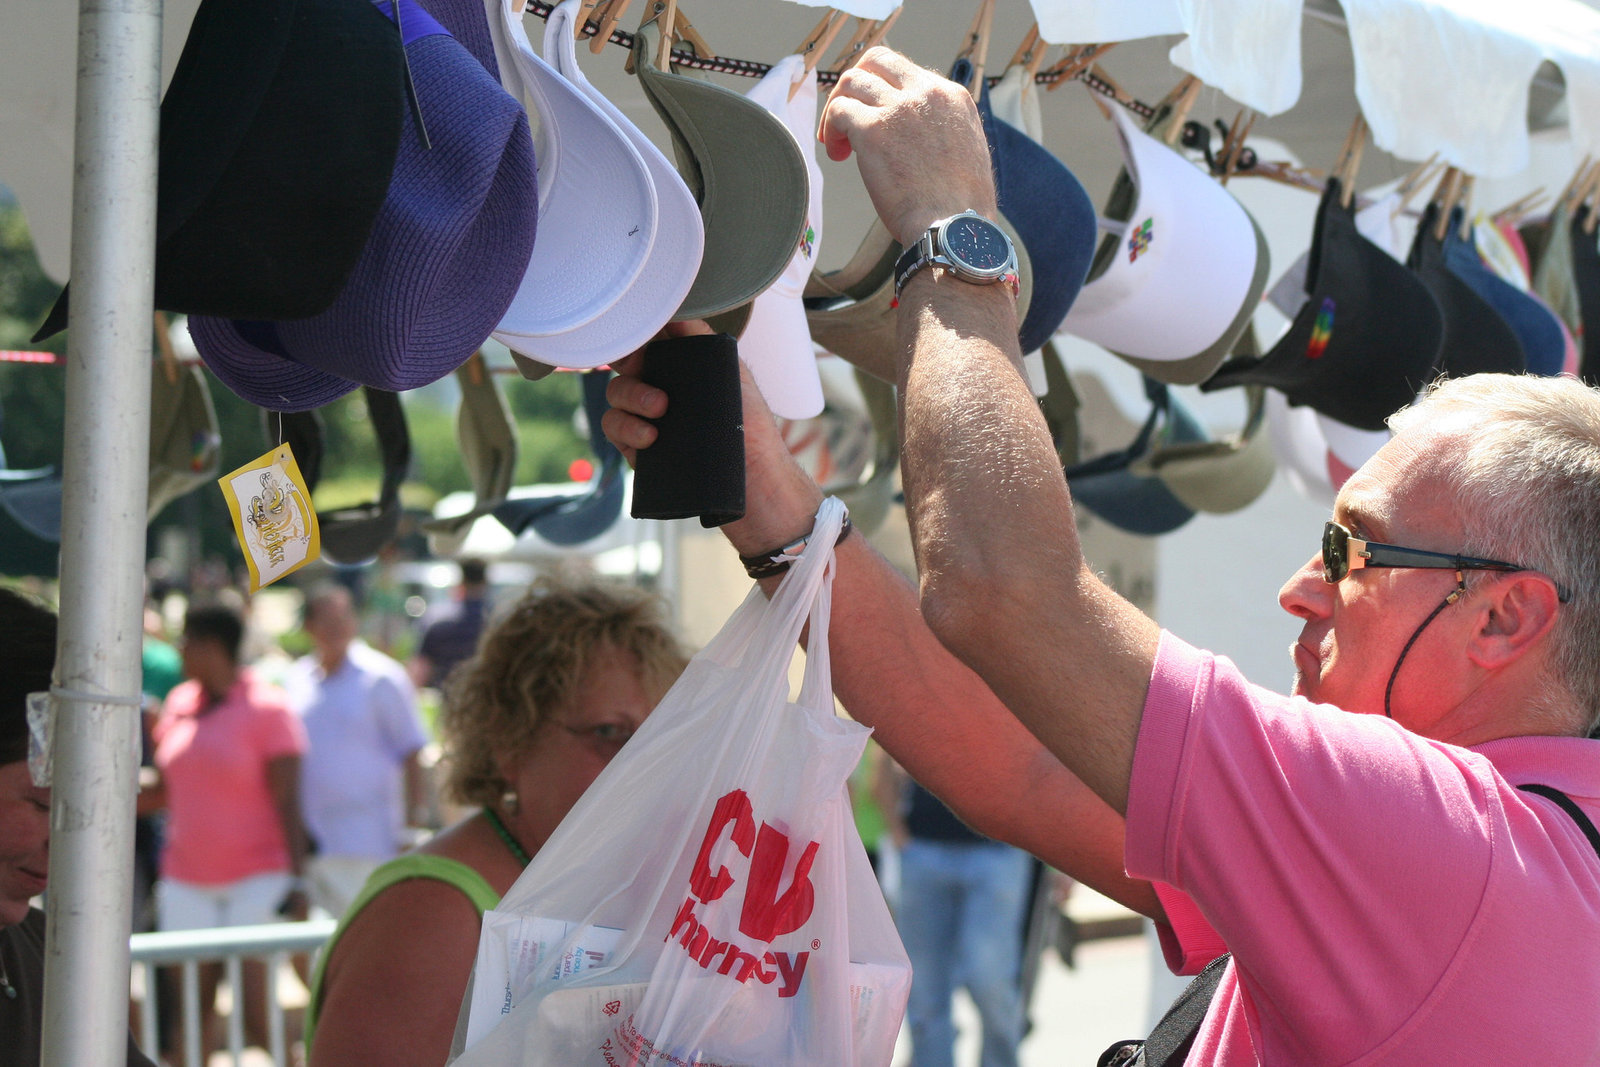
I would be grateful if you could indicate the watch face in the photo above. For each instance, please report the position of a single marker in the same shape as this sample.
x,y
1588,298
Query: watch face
x,y
977,243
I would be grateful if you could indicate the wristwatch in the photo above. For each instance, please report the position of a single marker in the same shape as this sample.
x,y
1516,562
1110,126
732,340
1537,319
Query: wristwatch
x,y
968,245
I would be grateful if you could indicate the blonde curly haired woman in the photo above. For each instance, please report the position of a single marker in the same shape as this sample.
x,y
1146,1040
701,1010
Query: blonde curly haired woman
x,y
558,685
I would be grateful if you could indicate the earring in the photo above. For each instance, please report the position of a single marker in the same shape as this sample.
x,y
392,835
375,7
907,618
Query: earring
x,y
509,802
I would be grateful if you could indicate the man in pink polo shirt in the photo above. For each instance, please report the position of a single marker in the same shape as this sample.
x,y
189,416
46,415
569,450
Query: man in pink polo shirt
x,y
1388,893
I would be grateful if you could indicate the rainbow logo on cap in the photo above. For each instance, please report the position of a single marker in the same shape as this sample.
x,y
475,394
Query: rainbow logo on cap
x,y
1321,330
1139,239
808,239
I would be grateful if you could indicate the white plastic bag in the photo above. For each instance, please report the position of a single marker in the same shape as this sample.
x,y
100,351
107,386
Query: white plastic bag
x,y
707,901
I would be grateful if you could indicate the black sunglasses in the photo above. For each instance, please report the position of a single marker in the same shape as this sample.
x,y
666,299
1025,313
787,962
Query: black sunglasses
x,y
1343,553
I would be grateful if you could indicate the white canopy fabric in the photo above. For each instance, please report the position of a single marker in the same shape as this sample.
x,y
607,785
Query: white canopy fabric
x,y
1445,76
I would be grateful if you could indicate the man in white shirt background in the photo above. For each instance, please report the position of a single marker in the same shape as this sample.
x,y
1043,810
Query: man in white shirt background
x,y
362,781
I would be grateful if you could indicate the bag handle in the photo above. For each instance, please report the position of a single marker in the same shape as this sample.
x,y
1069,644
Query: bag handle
x,y
766,646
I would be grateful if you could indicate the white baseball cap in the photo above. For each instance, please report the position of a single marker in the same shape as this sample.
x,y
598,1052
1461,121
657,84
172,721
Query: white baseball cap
x,y
583,260
1301,449
776,343
1174,289
674,257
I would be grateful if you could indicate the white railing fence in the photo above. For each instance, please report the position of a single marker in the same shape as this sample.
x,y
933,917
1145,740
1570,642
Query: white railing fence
x,y
231,945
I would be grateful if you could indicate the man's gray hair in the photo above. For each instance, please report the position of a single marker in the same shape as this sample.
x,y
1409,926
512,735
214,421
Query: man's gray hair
x,y
1528,483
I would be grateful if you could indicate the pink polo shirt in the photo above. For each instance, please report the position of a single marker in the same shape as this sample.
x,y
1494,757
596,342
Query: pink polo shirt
x,y
221,822
1388,899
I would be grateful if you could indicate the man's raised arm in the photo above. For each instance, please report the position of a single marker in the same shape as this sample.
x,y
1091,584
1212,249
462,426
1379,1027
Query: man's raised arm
x,y
1003,581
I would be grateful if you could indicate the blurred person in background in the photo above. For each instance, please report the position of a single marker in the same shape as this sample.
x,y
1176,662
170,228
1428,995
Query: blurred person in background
x,y
360,779
27,657
559,684
960,909
453,637
228,748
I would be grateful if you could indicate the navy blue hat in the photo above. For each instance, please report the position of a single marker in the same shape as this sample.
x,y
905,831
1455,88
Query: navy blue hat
x,y
1532,322
445,256
1586,279
278,138
1051,212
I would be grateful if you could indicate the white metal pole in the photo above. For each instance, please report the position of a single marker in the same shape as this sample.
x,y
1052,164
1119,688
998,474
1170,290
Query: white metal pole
x,y
106,479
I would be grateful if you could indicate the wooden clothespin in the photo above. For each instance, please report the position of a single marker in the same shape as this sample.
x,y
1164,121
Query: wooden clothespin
x,y
586,12
169,357
976,48
1118,93
1464,201
1349,161
1518,209
475,368
1579,177
683,30
664,14
817,42
1419,178
869,33
1180,100
607,15
1444,199
1233,144
1030,51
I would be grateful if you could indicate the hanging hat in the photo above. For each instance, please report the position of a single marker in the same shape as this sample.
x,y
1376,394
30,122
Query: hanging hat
x,y
1476,338
776,342
571,518
445,256
1047,206
184,442
1220,476
1223,475
488,442
1586,282
278,136
1173,287
1533,325
1376,221
1365,341
357,534
654,296
746,172
1111,487
598,212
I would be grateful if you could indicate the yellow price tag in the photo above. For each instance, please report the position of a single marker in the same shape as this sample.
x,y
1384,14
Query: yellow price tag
x,y
272,516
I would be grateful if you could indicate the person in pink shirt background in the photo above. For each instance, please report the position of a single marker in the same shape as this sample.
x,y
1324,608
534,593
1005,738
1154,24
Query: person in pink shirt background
x,y
228,748
1388,892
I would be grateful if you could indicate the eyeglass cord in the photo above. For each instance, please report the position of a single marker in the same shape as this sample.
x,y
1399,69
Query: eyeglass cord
x,y
1461,587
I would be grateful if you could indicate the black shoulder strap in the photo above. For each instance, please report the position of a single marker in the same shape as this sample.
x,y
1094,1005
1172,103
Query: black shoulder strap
x,y
1566,804
1168,1044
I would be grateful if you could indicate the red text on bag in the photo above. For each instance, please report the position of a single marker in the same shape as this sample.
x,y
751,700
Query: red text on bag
x,y
765,914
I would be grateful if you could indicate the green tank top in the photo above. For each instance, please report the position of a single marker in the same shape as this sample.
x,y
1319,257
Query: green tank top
x,y
403,868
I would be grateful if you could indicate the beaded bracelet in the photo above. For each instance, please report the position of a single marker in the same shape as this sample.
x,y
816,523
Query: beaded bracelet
x,y
767,564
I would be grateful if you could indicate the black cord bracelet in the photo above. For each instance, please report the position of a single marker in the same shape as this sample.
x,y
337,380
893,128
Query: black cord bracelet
x,y
768,564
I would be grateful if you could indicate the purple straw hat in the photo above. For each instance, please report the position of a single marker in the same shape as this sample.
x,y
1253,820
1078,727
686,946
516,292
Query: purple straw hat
x,y
445,255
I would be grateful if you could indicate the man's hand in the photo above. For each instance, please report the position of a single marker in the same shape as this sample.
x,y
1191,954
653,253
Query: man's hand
x,y
780,499
917,138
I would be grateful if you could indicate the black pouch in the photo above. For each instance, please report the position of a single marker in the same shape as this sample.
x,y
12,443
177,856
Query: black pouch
x,y
696,466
